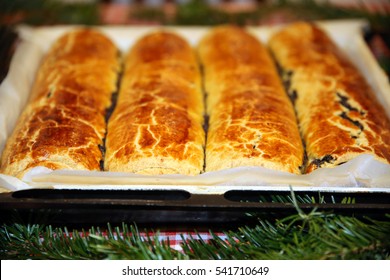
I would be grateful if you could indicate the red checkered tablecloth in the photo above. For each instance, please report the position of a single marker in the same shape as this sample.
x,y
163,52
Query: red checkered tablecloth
x,y
176,238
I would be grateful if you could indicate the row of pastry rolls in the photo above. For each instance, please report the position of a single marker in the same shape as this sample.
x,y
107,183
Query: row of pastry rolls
x,y
338,113
156,127
63,125
157,124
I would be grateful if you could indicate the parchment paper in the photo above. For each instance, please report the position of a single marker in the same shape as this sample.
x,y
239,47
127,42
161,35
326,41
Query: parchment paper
x,y
364,172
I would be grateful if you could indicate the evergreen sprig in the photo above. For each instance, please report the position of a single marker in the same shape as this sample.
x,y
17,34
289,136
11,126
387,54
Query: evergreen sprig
x,y
315,235
18,241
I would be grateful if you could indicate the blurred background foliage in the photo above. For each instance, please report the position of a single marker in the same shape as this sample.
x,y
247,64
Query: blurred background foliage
x,y
201,12
191,12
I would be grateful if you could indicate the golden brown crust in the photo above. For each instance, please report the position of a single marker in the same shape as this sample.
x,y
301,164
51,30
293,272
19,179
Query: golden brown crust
x,y
156,127
63,124
338,113
252,121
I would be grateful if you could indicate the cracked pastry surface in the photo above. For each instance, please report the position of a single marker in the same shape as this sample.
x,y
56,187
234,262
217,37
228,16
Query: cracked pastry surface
x,y
156,127
338,113
63,123
251,119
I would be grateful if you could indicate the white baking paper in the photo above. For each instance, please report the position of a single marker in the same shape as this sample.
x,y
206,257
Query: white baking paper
x,y
361,174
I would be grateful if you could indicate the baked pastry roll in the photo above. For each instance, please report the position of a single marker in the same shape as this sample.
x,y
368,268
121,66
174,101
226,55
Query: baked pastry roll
x,y
338,113
63,124
251,119
156,127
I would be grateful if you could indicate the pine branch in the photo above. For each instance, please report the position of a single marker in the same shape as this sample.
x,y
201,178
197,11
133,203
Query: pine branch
x,y
310,236
314,237
19,241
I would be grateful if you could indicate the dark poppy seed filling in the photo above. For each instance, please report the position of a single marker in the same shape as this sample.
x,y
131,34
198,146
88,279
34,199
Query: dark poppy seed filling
x,y
345,103
320,161
102,149
354,122
206,122
305,160
108,113
293,94
286,78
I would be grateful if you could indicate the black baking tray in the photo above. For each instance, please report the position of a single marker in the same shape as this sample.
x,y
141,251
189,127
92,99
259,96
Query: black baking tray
x,y
179,207
174,207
